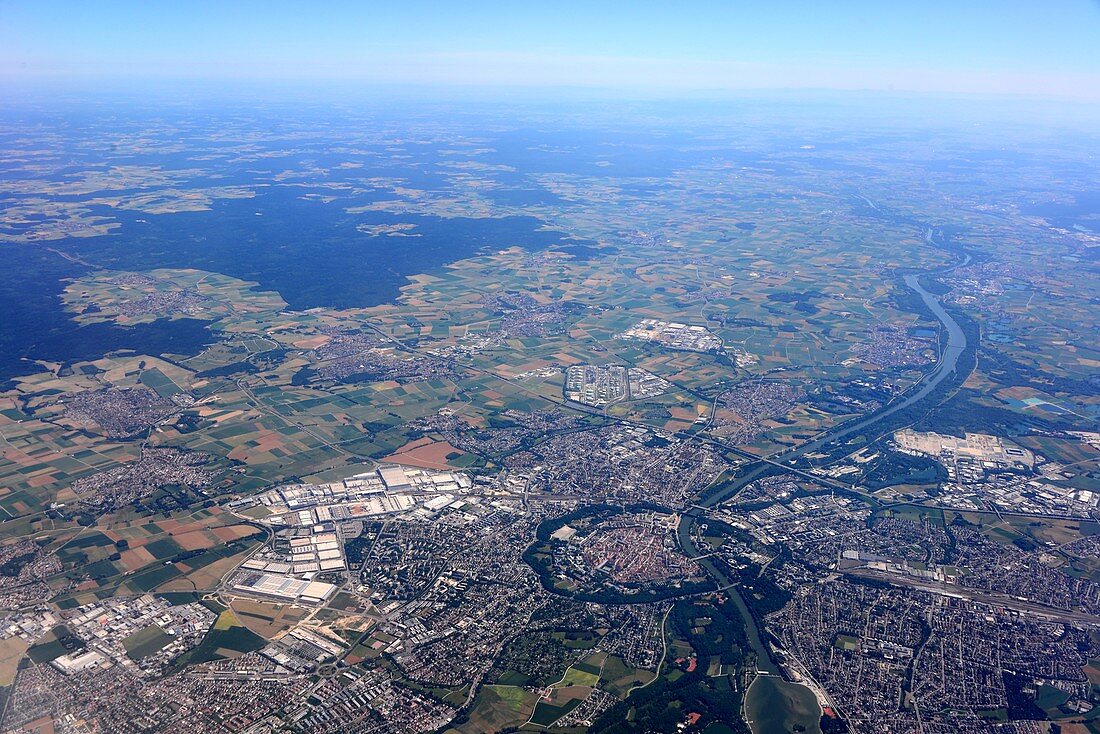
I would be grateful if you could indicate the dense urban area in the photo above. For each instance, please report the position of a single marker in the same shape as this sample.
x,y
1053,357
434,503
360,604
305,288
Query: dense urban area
x,y
764,428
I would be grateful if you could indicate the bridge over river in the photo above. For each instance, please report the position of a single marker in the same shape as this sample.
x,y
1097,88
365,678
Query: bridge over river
x,y
772,703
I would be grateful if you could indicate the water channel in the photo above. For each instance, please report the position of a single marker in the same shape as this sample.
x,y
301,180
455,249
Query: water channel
x,y
774,705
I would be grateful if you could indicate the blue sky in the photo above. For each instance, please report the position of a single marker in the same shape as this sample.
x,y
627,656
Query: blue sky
x,y
1046,47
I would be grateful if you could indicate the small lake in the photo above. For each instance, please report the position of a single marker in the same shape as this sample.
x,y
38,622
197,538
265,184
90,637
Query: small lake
x,y
776,706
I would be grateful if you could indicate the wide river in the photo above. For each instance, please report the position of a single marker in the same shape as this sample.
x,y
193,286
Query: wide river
x,y
772,704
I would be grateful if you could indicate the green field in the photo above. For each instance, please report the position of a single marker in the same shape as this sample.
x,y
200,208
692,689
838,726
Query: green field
x,y
225,638
145,642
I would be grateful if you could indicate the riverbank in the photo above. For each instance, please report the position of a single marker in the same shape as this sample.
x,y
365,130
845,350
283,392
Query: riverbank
x,y
776,706
772,703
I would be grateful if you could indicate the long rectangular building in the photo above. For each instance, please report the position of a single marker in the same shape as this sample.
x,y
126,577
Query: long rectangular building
x,y
286,588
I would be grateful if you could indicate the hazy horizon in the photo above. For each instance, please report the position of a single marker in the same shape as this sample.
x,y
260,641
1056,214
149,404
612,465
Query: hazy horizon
x,y
1013,48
